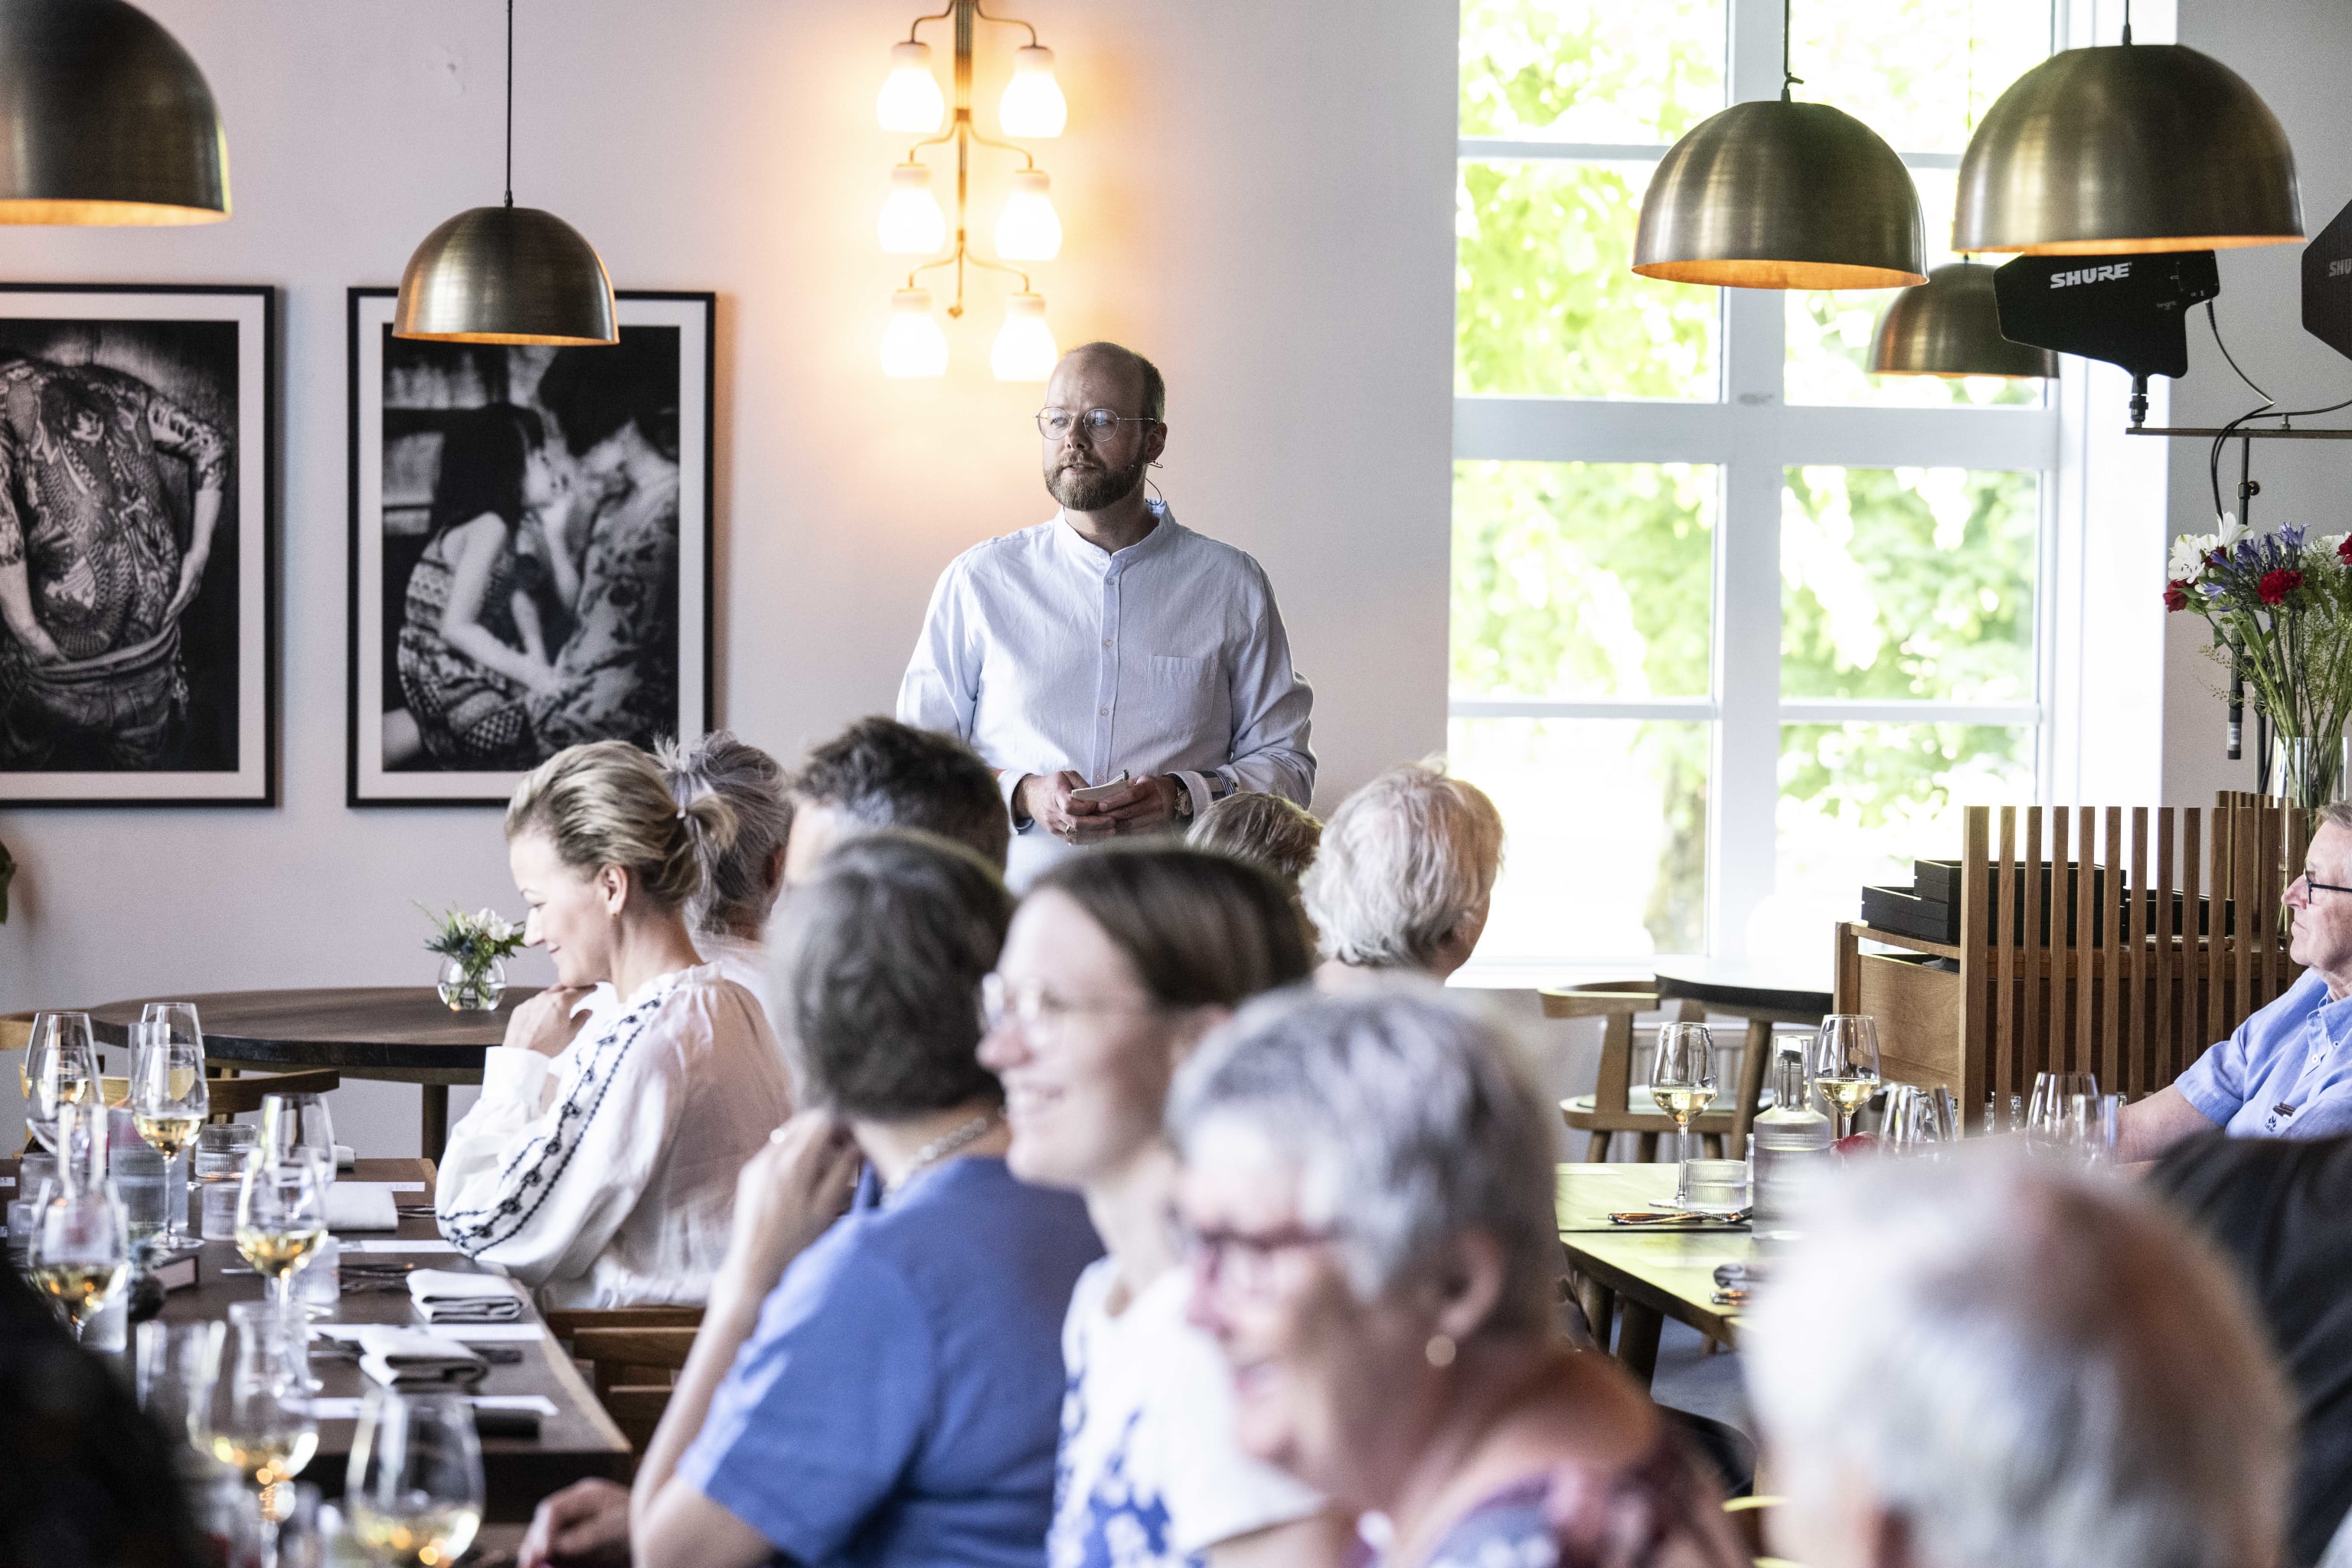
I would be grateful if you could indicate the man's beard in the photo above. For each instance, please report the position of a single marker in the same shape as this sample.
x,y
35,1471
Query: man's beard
x,y
1091,490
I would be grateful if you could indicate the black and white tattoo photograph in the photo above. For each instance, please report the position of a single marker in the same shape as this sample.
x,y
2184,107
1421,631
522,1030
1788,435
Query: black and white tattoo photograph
x,y
530,549
135,535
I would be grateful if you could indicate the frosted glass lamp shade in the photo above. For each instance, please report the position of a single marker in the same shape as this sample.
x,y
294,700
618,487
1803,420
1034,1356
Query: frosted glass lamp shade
x,y
1033,106
911,222
910,99
1026,350
1029,229
912,344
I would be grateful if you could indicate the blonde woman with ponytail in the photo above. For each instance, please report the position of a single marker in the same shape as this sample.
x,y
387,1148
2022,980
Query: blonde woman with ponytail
x,y
576,1172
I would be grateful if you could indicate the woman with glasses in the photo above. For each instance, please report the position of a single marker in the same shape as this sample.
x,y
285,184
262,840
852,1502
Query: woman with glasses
x,y
880,1389
1115,966
1368,1191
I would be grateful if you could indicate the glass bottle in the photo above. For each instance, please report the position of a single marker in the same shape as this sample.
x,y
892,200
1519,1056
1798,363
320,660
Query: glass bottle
x,y
1792,1143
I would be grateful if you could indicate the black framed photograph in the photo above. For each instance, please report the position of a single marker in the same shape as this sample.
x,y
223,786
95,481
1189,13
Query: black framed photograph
x,y
138,483
530,549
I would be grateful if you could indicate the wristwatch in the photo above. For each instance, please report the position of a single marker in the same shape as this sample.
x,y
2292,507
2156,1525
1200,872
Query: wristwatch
x,y
1183,798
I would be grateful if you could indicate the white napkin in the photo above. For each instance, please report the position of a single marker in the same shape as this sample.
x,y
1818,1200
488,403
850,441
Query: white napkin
x,y
448,1296
353,1205
413,1358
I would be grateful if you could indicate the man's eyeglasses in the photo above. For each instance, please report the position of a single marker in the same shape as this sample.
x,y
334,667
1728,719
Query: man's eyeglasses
x,y
1038,1009
2316,885
1054,424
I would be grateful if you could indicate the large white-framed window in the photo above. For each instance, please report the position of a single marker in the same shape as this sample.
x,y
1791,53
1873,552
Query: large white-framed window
x,y
1736,627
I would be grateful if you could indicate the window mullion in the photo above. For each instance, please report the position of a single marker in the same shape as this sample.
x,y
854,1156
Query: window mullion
x,y
1747,773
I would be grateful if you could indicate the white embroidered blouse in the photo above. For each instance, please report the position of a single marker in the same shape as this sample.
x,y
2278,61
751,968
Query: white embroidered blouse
x,y
605,1177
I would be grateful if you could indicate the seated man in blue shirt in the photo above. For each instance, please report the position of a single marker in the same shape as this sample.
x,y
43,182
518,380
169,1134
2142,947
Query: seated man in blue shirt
x,y
886,1388
2287,1071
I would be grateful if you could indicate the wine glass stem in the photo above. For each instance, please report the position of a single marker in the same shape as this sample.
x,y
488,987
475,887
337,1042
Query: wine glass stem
x,y
1682,1142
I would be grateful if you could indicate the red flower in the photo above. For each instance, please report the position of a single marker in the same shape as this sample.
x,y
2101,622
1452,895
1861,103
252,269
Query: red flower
x,y
2176,594
2344,549
2276,586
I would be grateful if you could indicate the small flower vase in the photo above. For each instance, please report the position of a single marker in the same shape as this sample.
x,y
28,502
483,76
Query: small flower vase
x,y
2310,771
473,988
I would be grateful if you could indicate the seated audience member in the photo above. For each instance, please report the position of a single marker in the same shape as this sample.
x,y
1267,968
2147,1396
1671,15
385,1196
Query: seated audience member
x,y
885,1390
881,774
728,913
2287,1070
2277,1210
85,1479
1116,965
1367,1188
1407,866
1266,830
604,1175
1992,1364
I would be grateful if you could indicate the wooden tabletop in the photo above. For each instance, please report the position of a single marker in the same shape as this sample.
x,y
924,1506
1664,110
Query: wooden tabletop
x,y
364,1030
1738,987
578,1441
1662,1273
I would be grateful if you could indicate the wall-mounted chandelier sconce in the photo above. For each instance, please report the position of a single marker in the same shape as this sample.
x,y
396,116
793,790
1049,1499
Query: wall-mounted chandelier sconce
x,y
913,223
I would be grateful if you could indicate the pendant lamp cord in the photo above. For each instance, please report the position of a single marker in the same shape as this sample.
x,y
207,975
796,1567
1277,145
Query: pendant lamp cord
x,y
1789,78
2127,21
510,102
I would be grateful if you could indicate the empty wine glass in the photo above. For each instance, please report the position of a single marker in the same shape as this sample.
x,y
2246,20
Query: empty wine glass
x,y
61,1069
168,1102
2050,1091
1920,1120
1682,1078
414,1489
1844,1065
299,1121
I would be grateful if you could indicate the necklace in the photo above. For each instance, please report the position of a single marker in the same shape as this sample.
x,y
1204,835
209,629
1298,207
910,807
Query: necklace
x,y
940,1148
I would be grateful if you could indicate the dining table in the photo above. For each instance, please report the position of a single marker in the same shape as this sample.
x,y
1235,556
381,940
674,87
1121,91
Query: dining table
x,y
395,1033
575,1440
1637,1276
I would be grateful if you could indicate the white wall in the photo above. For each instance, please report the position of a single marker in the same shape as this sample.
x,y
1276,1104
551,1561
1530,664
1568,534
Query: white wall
x,y
2298,55
1256,194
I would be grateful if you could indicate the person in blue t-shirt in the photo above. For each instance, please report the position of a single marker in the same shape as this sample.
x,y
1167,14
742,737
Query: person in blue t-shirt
x,y
886,1388
2287,1070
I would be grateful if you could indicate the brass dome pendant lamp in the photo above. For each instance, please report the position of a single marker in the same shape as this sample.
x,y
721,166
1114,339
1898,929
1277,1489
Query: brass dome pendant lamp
x,y
1781,195
507,274
105,120
2128,148
1948,326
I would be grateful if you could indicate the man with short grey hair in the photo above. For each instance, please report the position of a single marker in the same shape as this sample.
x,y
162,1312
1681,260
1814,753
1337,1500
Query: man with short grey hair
x,y
1986,1362
1110,643
2287,1070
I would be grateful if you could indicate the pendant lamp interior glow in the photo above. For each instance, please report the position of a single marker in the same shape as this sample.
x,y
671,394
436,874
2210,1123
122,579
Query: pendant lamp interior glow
x,y
1781,195
106,120
507,274
914,222
2128,148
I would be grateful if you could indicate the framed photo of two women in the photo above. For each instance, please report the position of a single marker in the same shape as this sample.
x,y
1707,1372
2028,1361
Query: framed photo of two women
x,y
530,549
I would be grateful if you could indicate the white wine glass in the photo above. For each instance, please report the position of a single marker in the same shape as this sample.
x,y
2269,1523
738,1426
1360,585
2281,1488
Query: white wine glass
x,y
169,1102
414,1489
292,1123
61,1069
1845,1064
80,1252
281,1221
258,1420
1682,1079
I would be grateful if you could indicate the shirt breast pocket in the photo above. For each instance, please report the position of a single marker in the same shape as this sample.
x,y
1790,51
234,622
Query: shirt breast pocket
x,y
1169,670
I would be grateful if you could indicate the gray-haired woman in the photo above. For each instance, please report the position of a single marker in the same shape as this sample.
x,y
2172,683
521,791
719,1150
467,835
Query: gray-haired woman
x,y
1403,877
740,881
1367,1189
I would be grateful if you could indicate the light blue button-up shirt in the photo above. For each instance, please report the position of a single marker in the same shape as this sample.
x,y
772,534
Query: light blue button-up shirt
x,y
1045,651
2285,1073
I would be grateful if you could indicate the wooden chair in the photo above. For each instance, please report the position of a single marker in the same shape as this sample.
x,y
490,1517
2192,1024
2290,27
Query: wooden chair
x,y
232,1095
634,1355
1605,1113
2130,956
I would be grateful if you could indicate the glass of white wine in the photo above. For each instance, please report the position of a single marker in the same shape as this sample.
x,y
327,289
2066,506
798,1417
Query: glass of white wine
x,y
61,1069
169,1102
1682,1079
282,1220
80,1252
415,1489
1845,1064
259,1421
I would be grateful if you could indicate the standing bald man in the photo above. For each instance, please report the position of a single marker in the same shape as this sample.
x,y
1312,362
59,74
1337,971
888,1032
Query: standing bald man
x,y
1110,639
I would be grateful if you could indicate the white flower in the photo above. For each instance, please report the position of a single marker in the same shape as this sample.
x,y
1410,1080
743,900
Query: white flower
x,y
2189,552
2232,530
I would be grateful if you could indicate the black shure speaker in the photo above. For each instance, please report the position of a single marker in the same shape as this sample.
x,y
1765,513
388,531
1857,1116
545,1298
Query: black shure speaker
x,y
2327,284
2131,310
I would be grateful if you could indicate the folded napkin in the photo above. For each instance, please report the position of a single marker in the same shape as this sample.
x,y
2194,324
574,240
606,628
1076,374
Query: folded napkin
x,y
447,1296
357,1206
413,1358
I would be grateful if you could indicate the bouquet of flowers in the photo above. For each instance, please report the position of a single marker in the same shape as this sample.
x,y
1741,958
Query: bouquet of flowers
x,y
2280,610
476,946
